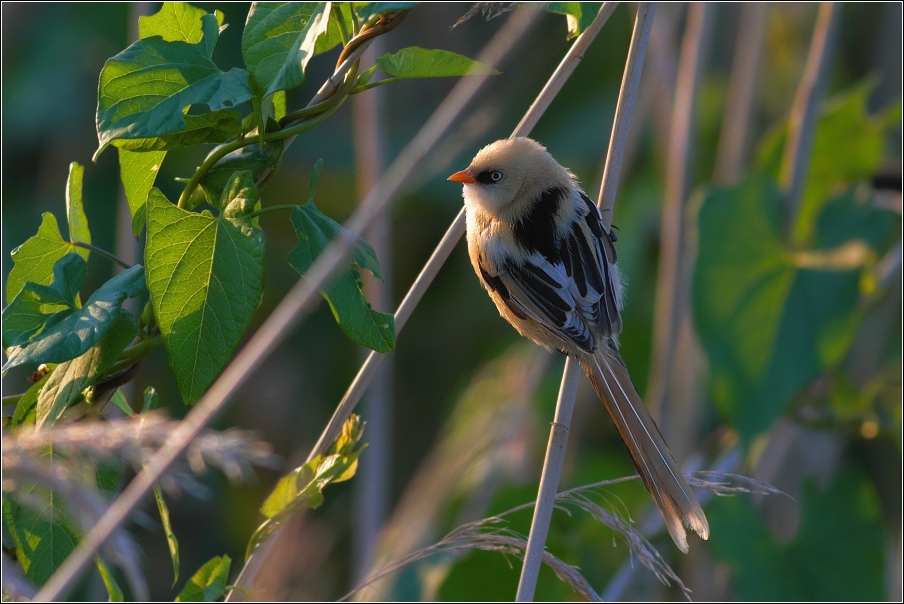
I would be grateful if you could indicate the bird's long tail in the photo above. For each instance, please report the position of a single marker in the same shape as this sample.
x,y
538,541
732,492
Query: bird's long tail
x,y
657,468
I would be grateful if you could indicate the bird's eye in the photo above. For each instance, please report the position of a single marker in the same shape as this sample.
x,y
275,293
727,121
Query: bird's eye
x,y
496,176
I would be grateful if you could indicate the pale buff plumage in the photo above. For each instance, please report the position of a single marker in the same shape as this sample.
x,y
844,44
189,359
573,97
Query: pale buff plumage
x,y
539,248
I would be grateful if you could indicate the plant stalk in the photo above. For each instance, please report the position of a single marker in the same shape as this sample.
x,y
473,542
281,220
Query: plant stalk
x,y
558,436
731,153
673,278
804,112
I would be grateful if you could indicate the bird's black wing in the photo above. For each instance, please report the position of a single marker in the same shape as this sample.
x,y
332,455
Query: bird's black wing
x,y
570,292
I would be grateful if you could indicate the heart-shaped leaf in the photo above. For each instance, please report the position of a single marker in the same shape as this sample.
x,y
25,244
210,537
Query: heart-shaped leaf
x,y
205,275
279,40
145,90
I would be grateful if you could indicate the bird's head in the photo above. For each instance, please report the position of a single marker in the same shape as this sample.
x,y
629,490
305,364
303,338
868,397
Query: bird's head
x,y
509,173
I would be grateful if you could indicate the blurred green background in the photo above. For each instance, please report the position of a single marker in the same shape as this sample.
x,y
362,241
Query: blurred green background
x,y
471,401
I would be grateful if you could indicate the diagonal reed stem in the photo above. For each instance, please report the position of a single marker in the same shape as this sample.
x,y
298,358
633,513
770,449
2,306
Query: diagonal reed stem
x,y
514,29
291,310
558,436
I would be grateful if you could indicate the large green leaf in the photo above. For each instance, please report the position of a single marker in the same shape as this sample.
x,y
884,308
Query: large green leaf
x,y
41,530
848,146
146,90
345,296
413,62
138,170
771,319
69,379
65,333
209,583
578,15
205,275
279,40
836,555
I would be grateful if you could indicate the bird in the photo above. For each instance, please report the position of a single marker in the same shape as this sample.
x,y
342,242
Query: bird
x,y
539,247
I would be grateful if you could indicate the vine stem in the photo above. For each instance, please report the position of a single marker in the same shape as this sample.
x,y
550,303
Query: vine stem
x,y
558,435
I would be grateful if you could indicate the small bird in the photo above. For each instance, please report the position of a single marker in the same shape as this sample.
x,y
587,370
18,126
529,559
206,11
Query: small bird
x,y
538,245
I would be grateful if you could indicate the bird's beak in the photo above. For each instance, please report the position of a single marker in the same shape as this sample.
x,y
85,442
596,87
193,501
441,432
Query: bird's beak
x,y
464,177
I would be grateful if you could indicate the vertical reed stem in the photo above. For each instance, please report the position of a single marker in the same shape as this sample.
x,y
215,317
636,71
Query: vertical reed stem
x,y
558,436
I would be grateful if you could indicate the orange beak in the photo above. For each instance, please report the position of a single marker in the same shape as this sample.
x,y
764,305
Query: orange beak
x,y
463,177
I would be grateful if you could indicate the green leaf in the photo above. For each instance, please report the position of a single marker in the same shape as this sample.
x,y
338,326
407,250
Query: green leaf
x,y
279,40
252,158
578,15
75,211
366,76
209,583
366,10
333,35
70,332
772,319
41,530
35,258
27,409
114,591
836,554
39,305
151,399
138,170
69,379
849,146
414,62
107,476
205,276
345,295
205,129
240,195
121,403
303,487
146,90
175,22
171,542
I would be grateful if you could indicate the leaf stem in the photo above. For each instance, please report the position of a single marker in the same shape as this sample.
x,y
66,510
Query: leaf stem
x,y
102,252
312,115
271,209
132,355
369,85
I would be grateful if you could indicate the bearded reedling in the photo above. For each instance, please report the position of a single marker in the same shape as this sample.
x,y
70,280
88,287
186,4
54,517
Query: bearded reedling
x,y
538,244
